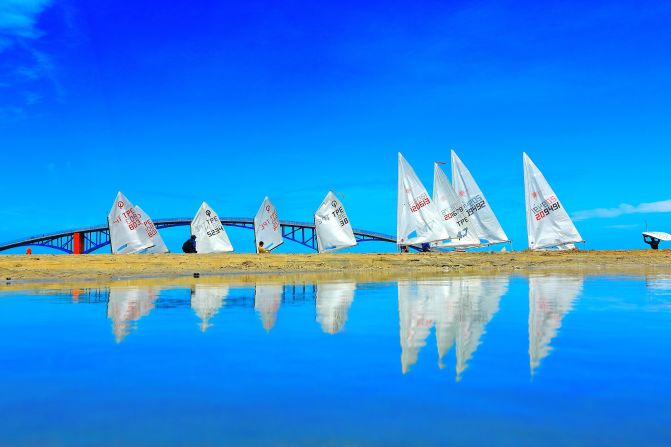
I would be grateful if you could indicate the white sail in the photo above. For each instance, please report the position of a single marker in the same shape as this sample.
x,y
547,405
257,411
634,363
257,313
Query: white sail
x,y
550,299
485,222
332,225
152,233
333,303
127,305
267,227
454,214
209,231
127,234
415,316
548,223
206,301
417,220
267,300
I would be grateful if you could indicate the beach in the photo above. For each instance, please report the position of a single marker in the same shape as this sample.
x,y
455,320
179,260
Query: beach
x,y
107,266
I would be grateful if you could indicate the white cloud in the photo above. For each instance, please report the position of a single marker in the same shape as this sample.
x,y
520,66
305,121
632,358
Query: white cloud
x,y
25,69
663,206
622,226
18,18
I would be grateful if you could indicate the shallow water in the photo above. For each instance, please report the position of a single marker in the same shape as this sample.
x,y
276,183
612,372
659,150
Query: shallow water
x,y
544,360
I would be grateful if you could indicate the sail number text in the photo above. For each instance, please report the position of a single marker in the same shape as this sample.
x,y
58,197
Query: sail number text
x,y
547,206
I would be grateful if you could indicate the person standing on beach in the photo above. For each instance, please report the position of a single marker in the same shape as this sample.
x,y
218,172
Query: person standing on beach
x,y
190,245
260,248
652,241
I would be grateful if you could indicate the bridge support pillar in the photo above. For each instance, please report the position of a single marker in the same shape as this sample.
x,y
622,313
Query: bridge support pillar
x,y
77,243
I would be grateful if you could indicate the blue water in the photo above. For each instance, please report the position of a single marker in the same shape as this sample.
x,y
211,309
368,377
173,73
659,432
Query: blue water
x,y
546,360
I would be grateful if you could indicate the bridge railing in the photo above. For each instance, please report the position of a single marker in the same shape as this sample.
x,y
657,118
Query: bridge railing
x,y
89,239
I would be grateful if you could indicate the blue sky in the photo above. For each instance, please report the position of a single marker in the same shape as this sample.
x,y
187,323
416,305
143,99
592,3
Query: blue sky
x,y
178,102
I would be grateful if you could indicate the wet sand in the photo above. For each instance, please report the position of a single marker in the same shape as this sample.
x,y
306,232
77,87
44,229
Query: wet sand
x,y
107,266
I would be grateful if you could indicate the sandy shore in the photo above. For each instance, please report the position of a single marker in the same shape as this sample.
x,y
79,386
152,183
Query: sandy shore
x,y
69,267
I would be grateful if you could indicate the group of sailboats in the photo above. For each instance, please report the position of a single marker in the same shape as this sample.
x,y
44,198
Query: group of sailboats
x,y
458,215
133,231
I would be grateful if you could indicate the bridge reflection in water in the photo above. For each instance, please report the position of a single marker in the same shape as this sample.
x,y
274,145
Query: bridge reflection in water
x,y
456,309
89,239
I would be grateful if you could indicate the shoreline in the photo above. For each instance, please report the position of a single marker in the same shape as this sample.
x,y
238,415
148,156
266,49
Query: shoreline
x,y
114,267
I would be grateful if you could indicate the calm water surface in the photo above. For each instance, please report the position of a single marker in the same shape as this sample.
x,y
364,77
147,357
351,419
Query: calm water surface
x,y
543,360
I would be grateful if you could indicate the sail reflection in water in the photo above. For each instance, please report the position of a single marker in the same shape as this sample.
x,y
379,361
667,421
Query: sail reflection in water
x,y
415,318
550,299
478,303
267,299
127,305
460,308
333,303
206,301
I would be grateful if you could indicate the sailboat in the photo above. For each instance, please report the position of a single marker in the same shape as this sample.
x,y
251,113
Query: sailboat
x,y
548,223
127,232
152,232
332,226
267,300
459,226
206,301
333,303
550,299
126,305
267,227
209,231
485,223
417,220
